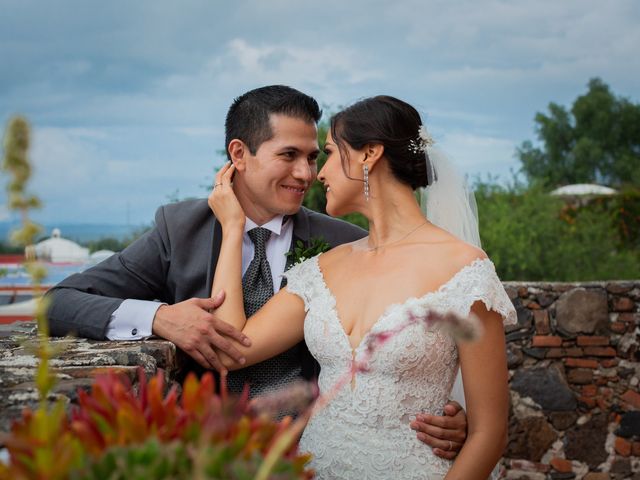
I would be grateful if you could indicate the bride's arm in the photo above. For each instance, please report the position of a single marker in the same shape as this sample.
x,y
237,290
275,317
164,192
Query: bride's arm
x,y
484,372
278,325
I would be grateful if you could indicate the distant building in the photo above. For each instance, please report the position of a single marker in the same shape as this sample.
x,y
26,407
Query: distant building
x,y
583,189
60,257
580,194
60,250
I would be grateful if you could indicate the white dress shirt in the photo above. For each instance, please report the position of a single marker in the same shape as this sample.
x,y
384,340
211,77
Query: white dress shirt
x,y
133,319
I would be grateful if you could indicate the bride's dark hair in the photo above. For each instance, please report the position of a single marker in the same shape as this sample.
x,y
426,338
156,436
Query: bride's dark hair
x,y
387,121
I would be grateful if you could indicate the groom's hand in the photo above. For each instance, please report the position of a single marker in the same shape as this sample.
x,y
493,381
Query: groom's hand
x,y
445,434
196,331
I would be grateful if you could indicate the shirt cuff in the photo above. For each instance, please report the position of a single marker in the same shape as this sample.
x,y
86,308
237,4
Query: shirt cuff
x,y
132,320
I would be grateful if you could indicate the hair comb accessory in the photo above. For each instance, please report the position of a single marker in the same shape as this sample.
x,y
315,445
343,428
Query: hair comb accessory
x,y
423,140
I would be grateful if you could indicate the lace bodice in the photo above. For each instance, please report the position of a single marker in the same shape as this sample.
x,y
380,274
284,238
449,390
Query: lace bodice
x,y
364,432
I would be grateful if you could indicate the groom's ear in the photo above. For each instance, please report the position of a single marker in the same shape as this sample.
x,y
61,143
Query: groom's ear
x,y
238,152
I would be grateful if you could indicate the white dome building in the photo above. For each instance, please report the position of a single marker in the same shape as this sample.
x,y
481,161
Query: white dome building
x,y
99,256
60,250
583,189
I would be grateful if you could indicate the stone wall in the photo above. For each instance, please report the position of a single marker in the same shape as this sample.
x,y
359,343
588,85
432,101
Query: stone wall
x,y
78,362
574,372
573,366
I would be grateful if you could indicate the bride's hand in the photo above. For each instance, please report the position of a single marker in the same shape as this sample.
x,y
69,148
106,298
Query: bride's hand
x,y
223,201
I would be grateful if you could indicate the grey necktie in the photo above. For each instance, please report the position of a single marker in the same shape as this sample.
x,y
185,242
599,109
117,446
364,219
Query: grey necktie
x,y
257,283
257,286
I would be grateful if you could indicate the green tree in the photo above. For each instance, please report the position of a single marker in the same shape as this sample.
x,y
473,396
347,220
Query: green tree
x,y
531,235
597,141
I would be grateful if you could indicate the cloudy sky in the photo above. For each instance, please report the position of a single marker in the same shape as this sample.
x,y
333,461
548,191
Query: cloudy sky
x,y
127,98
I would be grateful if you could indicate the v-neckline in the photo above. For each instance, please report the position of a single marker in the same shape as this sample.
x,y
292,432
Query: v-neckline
x,y
389,308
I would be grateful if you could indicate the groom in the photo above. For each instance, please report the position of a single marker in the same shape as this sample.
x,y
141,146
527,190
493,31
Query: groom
x,y
160,285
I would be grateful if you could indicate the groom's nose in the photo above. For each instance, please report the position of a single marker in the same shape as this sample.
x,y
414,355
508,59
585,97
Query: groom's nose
x,y
304,170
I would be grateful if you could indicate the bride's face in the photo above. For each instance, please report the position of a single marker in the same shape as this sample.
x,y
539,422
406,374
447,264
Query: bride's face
x,y
344,194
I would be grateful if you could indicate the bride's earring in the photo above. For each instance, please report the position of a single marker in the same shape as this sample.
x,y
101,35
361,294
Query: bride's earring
x,y
366,183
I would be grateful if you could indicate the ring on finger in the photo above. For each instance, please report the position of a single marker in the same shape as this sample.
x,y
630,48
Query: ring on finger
x,y
450,446
217,185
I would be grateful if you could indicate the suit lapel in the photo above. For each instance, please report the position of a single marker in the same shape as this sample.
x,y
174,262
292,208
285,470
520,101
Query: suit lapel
x,y
301,227
300,232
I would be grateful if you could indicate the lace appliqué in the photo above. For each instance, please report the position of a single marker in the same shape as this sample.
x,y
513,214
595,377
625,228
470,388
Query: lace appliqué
x,y
364,431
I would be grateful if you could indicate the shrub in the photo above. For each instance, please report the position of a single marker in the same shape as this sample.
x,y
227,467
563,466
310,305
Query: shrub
x,y
531,235
116,433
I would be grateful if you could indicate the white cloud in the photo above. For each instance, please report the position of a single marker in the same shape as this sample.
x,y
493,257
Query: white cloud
x,y
479,155
199,131
320,64
136,109
63,157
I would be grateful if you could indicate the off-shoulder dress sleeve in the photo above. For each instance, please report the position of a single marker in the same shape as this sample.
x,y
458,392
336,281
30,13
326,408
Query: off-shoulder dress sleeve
x,y
302,280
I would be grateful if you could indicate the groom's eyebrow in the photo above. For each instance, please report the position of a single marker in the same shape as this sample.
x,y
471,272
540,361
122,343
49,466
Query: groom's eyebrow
x,y
291,148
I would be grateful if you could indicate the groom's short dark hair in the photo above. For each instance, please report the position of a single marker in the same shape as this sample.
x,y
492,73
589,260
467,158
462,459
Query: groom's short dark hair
x,y
248,116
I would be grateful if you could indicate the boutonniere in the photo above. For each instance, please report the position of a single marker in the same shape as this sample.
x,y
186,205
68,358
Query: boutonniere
x,y
302,252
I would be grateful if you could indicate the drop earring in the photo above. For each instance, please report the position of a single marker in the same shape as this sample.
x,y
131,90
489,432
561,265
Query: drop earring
x,y
366,183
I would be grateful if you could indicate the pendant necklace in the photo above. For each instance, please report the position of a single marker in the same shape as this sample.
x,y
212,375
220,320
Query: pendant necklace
x,y
373,249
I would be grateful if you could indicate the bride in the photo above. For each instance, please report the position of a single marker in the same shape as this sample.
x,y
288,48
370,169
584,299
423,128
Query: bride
x,y
378,154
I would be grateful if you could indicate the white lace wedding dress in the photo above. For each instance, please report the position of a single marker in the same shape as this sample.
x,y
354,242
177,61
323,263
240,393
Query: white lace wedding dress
x,y
364,432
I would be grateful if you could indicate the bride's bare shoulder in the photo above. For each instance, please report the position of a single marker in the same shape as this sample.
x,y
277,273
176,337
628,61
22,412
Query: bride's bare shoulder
x,y
451,251
339,253
464,253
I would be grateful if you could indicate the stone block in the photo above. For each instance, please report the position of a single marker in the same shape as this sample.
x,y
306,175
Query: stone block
x,y
623,304
609,362
511,292
582,310
541,320
619,288
561,465
76,366
564,352
618,327
523,475
622,446
586,442
580,376
592,341
562,475
563,420
529,438
597,476
518,335
581,363
524,316
621,467
632,398
545,299
546,341
600,351
514,356
546,386
528,466
629,318
537,353
587,402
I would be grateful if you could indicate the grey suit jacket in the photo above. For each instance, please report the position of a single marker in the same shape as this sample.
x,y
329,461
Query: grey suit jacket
x,y
173,262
